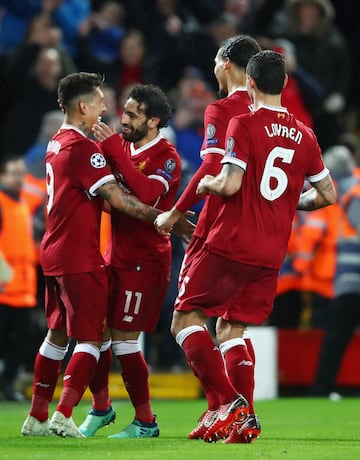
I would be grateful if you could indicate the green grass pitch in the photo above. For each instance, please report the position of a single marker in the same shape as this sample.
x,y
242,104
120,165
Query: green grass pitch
x,y
292,429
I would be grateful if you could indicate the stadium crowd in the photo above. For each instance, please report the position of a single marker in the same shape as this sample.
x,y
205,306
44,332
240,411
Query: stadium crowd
x,y
172,44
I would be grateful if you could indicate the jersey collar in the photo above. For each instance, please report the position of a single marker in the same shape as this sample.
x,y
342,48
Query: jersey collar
x,y
141,149
67,126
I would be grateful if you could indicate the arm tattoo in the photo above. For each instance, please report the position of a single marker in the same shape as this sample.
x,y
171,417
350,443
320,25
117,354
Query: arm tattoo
x,y
139,210
317,197
107,192
127,203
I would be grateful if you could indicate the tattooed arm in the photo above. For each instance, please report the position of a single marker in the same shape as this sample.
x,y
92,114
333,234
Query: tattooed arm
x,y
126,203
226,183
114,195
321,194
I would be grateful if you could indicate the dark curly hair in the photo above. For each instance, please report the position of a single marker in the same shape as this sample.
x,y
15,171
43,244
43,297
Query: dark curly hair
x,y
154,102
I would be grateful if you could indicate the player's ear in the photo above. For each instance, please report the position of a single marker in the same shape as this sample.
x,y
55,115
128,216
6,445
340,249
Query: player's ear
x,y
250,81
82,107
62,108
286,80
153,122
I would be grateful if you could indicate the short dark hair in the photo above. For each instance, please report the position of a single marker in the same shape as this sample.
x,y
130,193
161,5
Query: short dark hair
x,y
8,158
267,68
154,101
77,84
239,49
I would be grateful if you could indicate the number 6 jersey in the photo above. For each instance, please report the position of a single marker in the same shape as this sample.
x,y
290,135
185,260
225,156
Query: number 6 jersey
x,y
277,153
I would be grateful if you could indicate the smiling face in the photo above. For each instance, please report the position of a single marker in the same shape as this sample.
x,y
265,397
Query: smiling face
x,y
134,121
91,107
95,106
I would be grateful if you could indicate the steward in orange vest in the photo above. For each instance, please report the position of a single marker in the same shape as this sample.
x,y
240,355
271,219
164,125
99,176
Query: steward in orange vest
x,y
347,278
17,295
18,248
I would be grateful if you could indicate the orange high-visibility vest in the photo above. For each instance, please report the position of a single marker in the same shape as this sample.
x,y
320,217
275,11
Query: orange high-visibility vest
x,y
356,172
348,248
34,192
346,230
316,256
18,247
289,279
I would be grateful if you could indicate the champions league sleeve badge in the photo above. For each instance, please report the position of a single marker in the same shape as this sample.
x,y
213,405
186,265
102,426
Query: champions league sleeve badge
x,y
168,169
210,131
230,143
170,165
97,160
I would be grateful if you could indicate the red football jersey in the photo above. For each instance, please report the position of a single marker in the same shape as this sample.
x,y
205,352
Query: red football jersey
x,y
277,153
75,168
216,119
134,241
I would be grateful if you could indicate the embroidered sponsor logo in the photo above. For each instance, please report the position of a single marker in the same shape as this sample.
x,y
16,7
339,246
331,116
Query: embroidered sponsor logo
x,y
128,318
162,172
42,385
244,362
212,142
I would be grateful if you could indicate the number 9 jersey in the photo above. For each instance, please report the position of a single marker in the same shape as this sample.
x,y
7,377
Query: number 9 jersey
x,y
75,169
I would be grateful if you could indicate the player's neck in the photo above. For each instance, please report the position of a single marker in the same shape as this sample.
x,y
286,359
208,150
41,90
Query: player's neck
x,y
79,124
266,99
235,83
151,135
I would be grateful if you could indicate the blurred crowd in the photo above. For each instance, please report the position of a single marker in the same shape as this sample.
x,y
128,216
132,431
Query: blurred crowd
x,y
172,43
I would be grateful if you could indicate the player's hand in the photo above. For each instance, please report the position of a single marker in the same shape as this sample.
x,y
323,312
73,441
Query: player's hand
x,y
184,228
176,221
102,131
166,220
202,188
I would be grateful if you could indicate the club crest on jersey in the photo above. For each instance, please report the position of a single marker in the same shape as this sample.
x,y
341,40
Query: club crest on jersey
x,y
97,160
141,165
230,145
170,165
281,115
210,130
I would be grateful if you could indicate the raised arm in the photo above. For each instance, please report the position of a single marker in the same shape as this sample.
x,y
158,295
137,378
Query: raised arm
x,y
321,194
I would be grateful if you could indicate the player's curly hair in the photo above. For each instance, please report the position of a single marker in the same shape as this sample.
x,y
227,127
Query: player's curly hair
x,y
153,102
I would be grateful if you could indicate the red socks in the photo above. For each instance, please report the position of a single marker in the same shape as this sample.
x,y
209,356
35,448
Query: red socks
x,y
46,373
77,377
135,375
240,368
99,384
204,357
